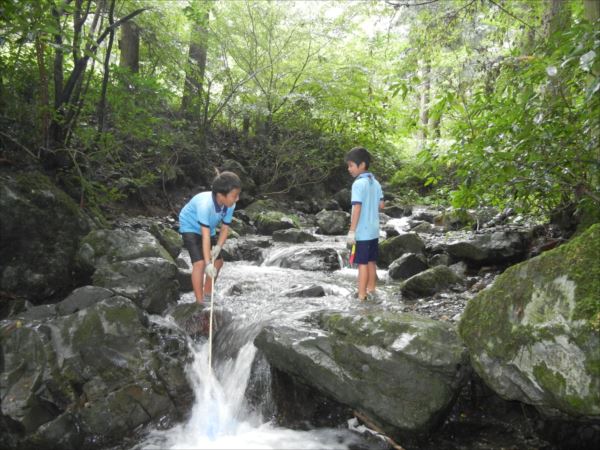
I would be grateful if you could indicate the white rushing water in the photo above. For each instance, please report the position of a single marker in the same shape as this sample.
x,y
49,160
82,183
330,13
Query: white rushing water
x,y
221,417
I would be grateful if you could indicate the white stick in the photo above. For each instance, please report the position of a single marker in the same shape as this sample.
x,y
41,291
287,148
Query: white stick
x,y
212,296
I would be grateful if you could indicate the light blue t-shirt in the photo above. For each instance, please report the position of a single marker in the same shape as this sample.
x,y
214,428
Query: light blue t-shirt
x,y
367,192
203,210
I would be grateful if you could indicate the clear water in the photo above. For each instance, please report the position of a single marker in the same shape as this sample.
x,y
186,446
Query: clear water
x,y
221,417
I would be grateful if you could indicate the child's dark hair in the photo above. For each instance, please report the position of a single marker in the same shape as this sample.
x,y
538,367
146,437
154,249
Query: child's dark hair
x,y
359,155
225,182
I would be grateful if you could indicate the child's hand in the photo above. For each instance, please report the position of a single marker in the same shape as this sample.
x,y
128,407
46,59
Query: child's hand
x,y
211,271
351,239
214,253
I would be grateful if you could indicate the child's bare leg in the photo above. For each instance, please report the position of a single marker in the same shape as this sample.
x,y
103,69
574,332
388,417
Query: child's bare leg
x,y
363,275
197,278
372,276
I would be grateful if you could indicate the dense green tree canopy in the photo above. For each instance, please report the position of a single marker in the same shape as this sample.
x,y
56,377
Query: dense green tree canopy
x,y
472,102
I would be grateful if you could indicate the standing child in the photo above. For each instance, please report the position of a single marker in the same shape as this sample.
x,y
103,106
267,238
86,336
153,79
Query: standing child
x,y
198,222
367,200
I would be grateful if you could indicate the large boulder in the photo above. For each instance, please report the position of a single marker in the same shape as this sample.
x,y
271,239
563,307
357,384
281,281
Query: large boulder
x,y
40,228
333,222
534,335
393,248
150,282
86,379
132,263
498,247
401,371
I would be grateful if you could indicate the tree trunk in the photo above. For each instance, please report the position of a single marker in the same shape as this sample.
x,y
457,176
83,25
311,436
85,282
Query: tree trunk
x,y
424,101
129,44
592,10
557,16
191,100
43,98
111,37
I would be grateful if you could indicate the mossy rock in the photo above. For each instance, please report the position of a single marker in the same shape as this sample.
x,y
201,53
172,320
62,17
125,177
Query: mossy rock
x,y
534,336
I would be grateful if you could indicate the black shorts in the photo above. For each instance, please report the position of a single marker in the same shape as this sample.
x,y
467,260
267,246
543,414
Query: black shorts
x,y
366,251
193,243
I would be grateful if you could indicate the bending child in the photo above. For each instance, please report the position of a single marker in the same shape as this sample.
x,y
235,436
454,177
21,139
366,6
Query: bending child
x,y
367,200
198,221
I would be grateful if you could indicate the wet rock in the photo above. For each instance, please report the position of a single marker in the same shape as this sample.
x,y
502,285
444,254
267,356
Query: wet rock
x,y
342,197
242,227
406,266
429,282
402,371
306,258
423,227
39,234
533,336
270,221
390,230
194,318
397,211
306,291
333,222
90,376
245,249
491,248
393,248
150,282
170,239
293,236
101,247
455,219
82,298
425,214
441,259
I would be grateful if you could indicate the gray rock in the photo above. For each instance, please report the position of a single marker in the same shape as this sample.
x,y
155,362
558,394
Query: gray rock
x,y
491,248
393,248
150,282
306,291
441,259
82,298
333,222
406,266
90,376
400,370
306,258
39,234
293,236
533,335
429,282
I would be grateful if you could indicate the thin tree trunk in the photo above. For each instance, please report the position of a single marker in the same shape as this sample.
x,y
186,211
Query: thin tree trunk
x,y
192,98
111,37
43,92
557,16
424,101
592,10
129,45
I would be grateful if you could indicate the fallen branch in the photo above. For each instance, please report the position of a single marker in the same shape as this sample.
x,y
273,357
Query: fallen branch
x,y
374,427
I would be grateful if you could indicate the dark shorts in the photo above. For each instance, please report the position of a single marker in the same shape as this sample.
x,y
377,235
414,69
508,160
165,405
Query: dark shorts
x,y
193,243
366,251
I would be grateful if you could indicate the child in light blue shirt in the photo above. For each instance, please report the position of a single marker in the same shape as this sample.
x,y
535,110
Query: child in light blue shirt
x,y
367,200
198,221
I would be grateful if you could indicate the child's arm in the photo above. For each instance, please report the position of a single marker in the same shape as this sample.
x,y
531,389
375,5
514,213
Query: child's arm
x,y
355,216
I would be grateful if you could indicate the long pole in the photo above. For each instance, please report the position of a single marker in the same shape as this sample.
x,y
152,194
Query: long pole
x,y
212,296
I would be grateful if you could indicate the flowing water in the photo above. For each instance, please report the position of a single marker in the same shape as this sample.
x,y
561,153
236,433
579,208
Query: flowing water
x,y
221,417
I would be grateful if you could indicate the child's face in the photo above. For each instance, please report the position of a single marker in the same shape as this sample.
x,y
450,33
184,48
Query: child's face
x,y
355,170
231,198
